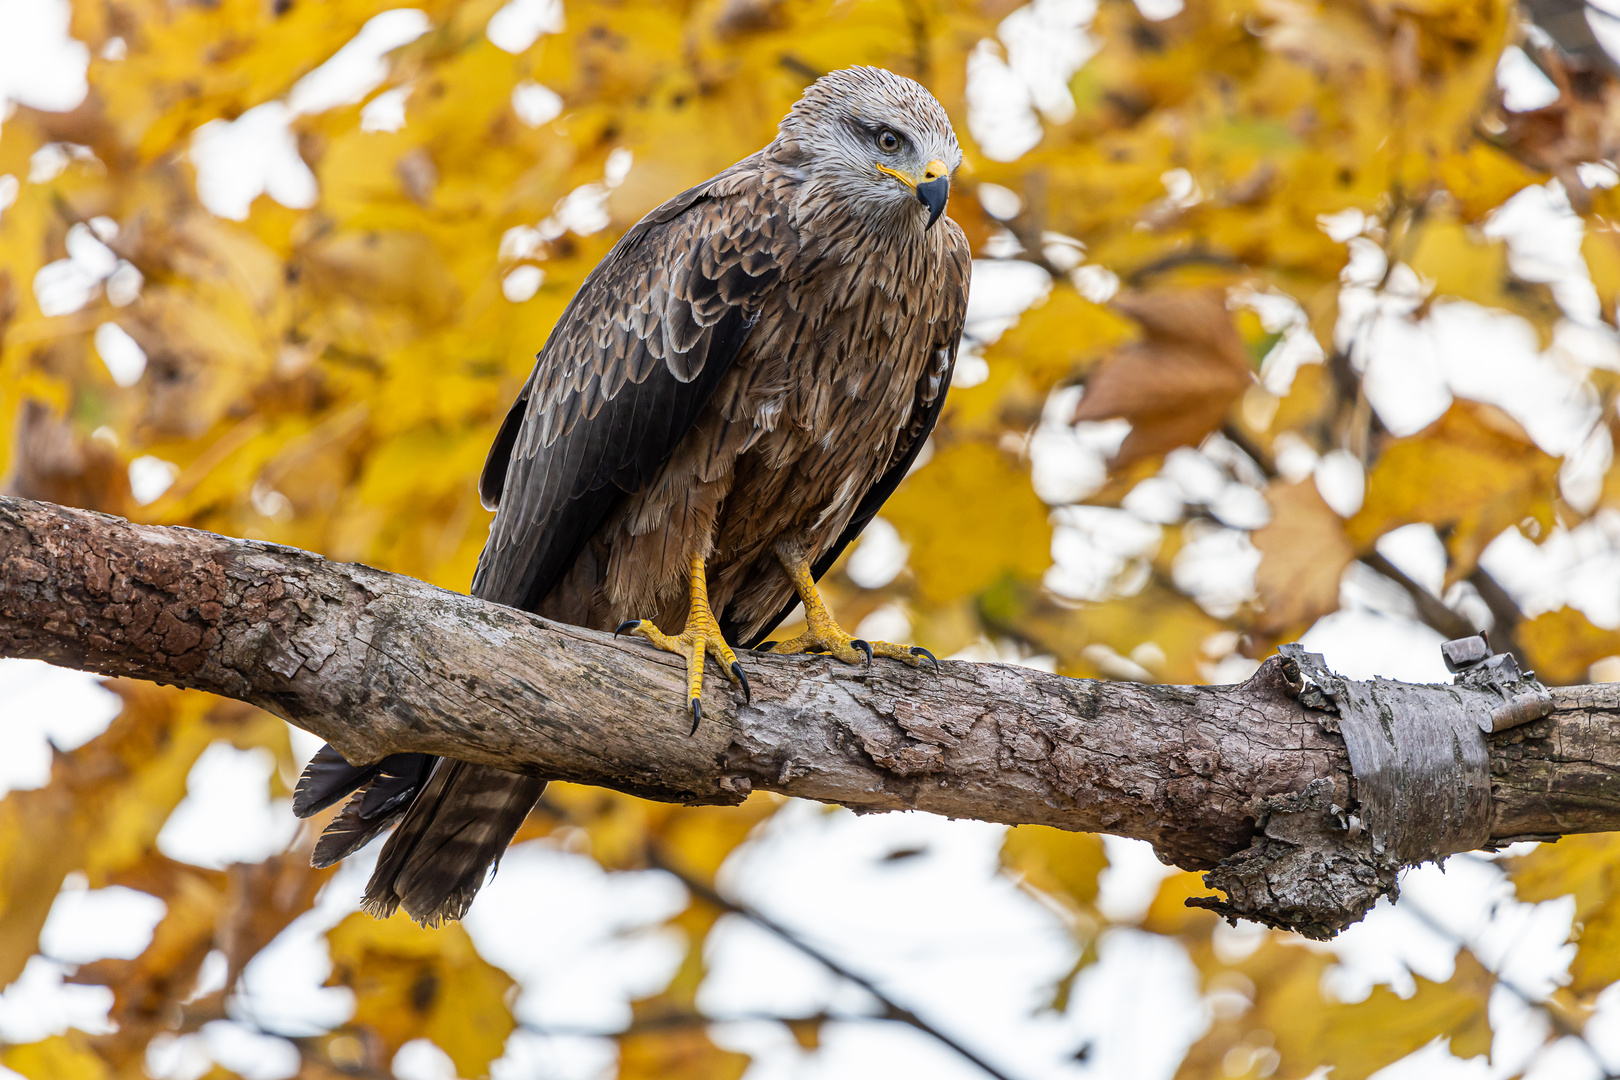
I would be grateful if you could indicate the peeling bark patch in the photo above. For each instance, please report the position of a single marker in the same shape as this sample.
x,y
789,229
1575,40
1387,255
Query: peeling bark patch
x,y
1305,871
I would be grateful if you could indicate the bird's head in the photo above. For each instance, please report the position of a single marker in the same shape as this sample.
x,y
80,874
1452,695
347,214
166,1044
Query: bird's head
x,y
876,142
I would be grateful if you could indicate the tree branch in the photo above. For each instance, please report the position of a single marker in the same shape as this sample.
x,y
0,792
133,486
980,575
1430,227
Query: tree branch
x,y
378,663
1431,610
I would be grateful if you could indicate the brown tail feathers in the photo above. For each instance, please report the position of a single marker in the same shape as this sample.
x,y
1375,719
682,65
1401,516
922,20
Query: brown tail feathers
x,y
455,821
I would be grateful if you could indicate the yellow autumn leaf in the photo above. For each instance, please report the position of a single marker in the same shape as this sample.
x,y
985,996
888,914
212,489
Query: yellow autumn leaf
x,y
1165,630
1481,178
955,554
1454,1010
680,1054
410,982
1460,262
1061,863
60,1057
1561,645
1292,1020
1601,250
1586,867
1597,957
1169,913
1059,337
1471,474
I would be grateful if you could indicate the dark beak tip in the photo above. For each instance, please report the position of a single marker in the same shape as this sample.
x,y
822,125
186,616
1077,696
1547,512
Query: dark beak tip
x,y
934,194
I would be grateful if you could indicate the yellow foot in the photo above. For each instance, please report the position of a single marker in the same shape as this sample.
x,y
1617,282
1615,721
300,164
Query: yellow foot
x,y
701,638
851,650
822,634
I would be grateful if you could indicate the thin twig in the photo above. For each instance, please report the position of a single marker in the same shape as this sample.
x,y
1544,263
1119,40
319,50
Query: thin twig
x,y
1430,609
1505,613
891,1010
1560,1022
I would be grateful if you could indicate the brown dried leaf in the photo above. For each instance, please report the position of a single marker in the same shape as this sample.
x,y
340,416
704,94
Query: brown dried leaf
x,y
1304,552
1177,384
1582,125
148,990
411,983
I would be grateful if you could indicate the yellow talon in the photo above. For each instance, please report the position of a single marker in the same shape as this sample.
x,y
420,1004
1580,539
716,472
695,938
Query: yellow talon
x,y
701,638
823,634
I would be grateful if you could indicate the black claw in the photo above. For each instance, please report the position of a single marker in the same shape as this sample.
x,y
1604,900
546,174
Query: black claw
x,y
742,677
625,627
864,647
918,650
697,715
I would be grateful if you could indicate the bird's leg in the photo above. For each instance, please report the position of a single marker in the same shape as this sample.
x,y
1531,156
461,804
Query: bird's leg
x,y
823,634
700,638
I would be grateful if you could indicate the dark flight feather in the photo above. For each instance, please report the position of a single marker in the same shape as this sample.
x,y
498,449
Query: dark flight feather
x,y
570,450
757,359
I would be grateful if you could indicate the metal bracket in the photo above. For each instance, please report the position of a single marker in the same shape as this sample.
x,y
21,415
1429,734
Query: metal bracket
x,y
1473,664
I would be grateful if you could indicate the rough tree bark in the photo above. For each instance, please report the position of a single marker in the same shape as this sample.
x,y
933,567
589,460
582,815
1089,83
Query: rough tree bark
x,y
1215,778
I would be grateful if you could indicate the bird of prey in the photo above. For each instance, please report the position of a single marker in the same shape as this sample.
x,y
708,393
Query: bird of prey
x,y
721,409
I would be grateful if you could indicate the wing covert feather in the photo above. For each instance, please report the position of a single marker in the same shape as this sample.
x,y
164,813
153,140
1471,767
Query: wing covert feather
x,y
625,373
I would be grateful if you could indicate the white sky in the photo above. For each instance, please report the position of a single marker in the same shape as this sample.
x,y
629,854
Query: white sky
x,y
941,931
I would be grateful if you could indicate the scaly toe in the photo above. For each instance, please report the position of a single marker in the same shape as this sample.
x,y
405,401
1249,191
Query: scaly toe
x,y
842,647
911,655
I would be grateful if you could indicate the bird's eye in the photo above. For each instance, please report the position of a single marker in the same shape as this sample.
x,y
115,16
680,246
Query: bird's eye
x,y
888,141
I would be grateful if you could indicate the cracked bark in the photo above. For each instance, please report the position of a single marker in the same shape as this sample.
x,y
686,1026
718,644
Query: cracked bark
x,y
377,663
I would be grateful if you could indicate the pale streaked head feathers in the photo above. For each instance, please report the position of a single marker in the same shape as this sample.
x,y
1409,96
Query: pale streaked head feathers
x,y
864,138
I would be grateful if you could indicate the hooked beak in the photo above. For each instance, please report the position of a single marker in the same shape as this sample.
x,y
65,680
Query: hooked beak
x,y
933,190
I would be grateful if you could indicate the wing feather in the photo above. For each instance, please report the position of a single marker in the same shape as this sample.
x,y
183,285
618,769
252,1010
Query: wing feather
x,y
630,365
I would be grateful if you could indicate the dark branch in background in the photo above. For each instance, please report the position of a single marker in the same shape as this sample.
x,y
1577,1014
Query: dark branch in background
x,y
1565,22
1253,450
1559,1017
377,663
1505,613
653,855
891,1010
1139,277
1430,609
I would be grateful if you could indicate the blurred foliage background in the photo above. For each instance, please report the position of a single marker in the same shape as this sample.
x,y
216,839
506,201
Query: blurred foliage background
x,y
1215,216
